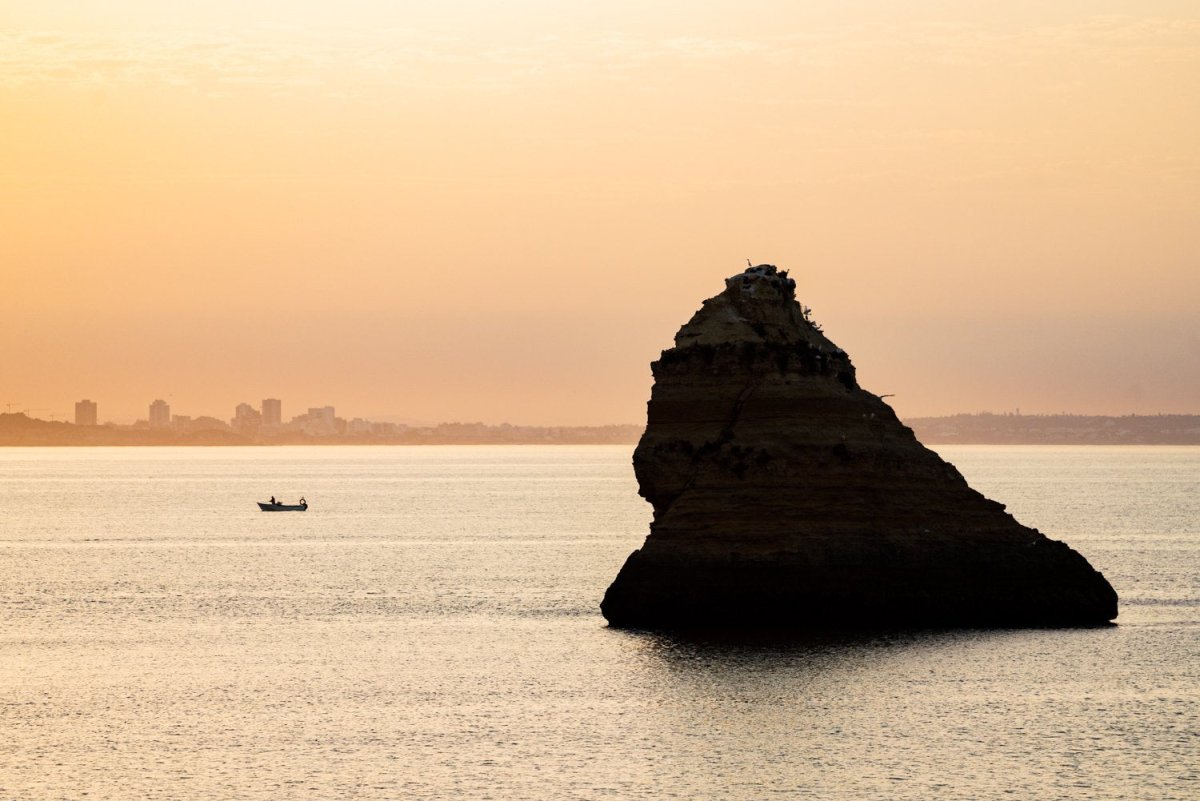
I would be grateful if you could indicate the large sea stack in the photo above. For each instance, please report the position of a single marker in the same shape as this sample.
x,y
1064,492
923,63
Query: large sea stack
x,y
786,496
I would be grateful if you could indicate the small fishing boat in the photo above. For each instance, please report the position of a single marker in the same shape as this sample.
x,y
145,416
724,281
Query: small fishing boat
x,y
272,506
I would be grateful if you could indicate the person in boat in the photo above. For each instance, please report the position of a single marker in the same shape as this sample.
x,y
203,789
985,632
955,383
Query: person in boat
x,y
304,503
273,500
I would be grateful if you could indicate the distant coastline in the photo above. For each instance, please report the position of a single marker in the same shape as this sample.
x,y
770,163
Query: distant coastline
x,y
985,428
20,430
1057,429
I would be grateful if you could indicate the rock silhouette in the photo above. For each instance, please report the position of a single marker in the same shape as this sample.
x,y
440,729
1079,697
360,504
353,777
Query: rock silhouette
x,y
786,496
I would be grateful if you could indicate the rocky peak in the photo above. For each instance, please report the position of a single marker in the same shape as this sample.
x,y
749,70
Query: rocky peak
x,y
758,305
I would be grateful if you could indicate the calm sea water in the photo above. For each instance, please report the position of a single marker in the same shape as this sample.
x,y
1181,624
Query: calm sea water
x,y
430,629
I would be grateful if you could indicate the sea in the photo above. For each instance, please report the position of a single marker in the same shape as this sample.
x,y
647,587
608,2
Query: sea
x,y
430,629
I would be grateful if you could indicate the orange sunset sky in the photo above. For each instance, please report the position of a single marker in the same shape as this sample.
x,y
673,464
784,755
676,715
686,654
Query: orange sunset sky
x,y
503,211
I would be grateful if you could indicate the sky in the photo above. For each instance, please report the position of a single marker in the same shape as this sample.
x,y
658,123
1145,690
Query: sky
x,y
503,211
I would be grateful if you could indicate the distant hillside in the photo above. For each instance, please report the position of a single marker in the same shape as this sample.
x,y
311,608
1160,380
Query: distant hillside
x,y
1057,429
979,429
20,430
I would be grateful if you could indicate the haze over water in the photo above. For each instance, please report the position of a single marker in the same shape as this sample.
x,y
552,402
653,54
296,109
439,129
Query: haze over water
x,y
430,629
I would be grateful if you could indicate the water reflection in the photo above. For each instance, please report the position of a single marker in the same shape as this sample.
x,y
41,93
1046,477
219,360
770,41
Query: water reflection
x,y
871,714
799,654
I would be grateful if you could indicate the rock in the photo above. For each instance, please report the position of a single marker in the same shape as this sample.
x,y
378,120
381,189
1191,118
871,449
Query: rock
x,y
786,496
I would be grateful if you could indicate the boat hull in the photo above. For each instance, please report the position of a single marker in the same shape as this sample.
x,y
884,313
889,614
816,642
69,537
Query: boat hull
x,y
281,507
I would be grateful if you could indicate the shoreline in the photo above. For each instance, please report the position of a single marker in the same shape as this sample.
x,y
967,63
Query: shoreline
x,y
18,430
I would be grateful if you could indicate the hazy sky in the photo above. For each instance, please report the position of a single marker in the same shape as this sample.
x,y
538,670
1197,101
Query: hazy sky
x,y
504,210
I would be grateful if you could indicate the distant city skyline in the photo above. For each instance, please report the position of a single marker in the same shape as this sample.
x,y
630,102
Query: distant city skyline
x,y
159,414
245,417
245,414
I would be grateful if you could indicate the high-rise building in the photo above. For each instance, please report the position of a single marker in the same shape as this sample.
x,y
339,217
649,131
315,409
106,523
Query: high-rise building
x,y
272,412
85,413
318,421
160,414
323,413
246,418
